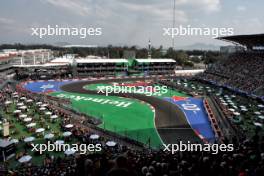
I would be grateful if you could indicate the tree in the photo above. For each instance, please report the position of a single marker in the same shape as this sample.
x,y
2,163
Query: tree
x,y
181,57
156,53
188,64
195,59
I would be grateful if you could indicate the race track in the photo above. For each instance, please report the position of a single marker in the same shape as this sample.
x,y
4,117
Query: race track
x,y
170,121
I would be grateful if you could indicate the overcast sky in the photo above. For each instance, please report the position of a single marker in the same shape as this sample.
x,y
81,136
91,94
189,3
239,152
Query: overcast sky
x,y
127,22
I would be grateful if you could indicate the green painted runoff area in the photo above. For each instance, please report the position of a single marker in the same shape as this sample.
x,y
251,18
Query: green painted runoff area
x,y
127,117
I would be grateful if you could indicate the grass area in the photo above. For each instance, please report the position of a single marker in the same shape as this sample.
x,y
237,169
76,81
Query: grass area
x,y
18,130
135,121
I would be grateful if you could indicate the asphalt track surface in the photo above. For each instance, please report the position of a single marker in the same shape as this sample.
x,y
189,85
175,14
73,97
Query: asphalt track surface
x,y
170,121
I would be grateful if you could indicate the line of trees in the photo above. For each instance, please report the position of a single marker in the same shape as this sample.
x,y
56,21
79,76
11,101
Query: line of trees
x,y
182,57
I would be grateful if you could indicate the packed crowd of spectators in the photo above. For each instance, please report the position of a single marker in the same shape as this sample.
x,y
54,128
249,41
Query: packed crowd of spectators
x,y
5,94
47,73
242,71
247,159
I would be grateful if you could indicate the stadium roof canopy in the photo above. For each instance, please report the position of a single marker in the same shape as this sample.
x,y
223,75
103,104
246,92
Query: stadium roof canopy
x,y
79,46
250,41
42,65
62,60
154,60
87,60
101,61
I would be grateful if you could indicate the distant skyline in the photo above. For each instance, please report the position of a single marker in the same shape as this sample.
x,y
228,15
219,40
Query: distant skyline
x,y
127,22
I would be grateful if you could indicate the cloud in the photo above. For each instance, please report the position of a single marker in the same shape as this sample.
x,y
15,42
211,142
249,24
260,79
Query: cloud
x,y
11,26
157,11
77,6
127,21
207,5
6,21
241,8
250,26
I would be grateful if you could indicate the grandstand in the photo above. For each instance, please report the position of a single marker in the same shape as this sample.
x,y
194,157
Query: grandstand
x,y
5,66
46,71
242,71
101,67
155,66
96,67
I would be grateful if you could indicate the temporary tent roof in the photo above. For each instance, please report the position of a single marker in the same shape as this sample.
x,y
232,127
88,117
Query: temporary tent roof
x,y
154,60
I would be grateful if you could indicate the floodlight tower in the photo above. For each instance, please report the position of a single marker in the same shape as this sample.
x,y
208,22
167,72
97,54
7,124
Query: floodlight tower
x,y
149,50
173,22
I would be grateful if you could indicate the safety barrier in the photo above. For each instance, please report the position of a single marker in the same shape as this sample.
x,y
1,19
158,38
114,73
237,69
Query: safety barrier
x,y
214,124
